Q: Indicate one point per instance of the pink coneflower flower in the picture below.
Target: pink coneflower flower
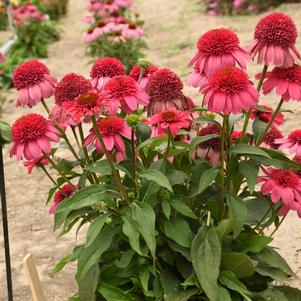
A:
(111, 128)
(210, 149)
(135, 74)
(132, 31)
(171, 120)
(197, 79)
(65, 192)
(104, 69)
(85, 106)
(32, 135)
(271, 137)
(123, 90)
(229, 91)
(30, 165)
(165, 90)
(286, 82)
(236, 136)
(219, 48)
(292, 142)
(266, 115)
(70, 87)
(33, 81)
(124, 3)
(282, 184)
(275, 37)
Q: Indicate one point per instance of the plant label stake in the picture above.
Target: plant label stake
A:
(5, 226)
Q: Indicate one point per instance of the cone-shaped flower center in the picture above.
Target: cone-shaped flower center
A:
(110, 125)
(285, 178)
(107, 67)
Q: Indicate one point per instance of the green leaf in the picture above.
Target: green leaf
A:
(152, 143)
(229, 280)
(95, 228)
(157, 177)
(143, 131)
(207, 177)
(130, 230)
(233, 119)
(178, 230)
(245, 149)
(238, 263)
(100, 166)
(125, 259)
(91, 255)
(205, 119)
(223, 294)
(166, 209)
(259, 127)
(69, 258)
(5, 131)
(238, 210)
(292, 294)
(206, 258)
(113, 293)
(254, 243)
(274, 273)
(177, 177)
(250, 172)
(271, 294)
(223, 228)
(272, 258)
(88, 285)
(199, 139)
(144, 217)
(258, 208)
(182, 208)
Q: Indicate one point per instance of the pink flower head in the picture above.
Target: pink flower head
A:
(104, 69)
(275, 37)
(30, 165)
(70, 87)
(238, 4)
(271, 138)
(266, 115)
(123, 90)
(135, 74)
(197, 79)
(85, 106)
(210, 149)
(165, 90)
(32, 135)
(111, 128)
(170, 120)
(292, 142)
(229, 91)
(286, 82)
(65, 192)
(282, 184)
(33, 81)
(219, 48)
(132, 31)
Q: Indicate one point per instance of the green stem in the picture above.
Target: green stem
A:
(276, 229)
(222, 169)
(168, 145)
(75, 136)
(110, 161)
(248, 113)
(134, 163)
(49, 176)
(59, 171)
(264, 217)
(261, 139)
(141, 75)
(45, 106)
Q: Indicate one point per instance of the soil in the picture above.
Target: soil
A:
(172, 28)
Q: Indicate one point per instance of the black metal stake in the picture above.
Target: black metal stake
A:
(5, 227)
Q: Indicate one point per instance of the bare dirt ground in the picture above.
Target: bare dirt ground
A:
(172, 28)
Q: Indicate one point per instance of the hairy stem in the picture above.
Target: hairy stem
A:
(134, 171)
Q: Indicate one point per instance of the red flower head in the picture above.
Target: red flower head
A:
(298, 160)
(210, 149)
(70, 87)
(286, 82)
(284, 185)
(266, 115)
(65, 192)
(165, 90)
(104, 69)
(85, 106)
(271, 137)
(123, 90)
(32, 135)
(111, 128)
(236, 135)
(292, 142)
(229, 91)
(219, 48)
(30, 165)
(135, 74)
(275, 38)
(170, 120)
(33, 81)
